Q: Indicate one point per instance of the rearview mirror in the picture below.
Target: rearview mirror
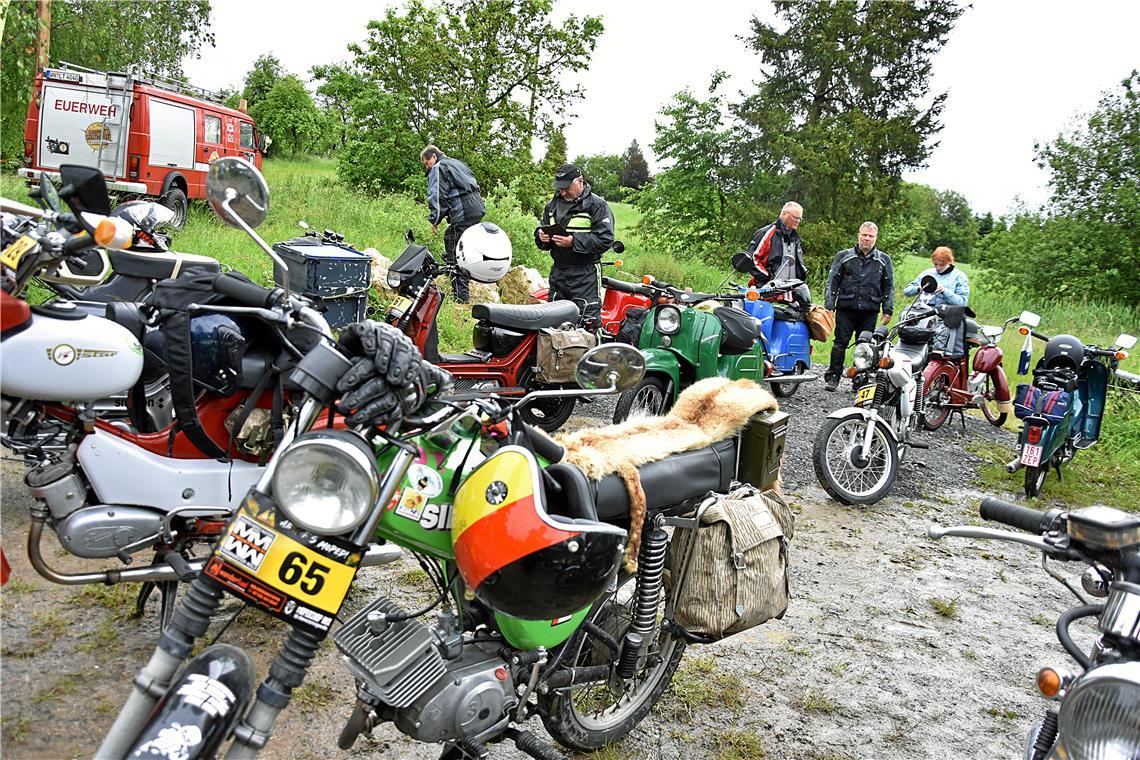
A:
(928, 284)
(84, 189)
(618, 246)
(1124, 340)
(1029, 318)
(619, 365)
(236, 190)
(48, 193)
(743, 263)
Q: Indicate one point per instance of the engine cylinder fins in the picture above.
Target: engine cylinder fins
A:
(398, 661)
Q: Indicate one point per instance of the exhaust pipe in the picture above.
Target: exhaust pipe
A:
(1013, 465)
(791, 379)
(376, 555)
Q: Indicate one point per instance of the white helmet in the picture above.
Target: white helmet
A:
(484, 252)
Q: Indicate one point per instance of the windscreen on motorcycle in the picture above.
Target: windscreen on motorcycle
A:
(411, 262)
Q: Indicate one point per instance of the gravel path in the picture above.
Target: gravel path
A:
(862, 664)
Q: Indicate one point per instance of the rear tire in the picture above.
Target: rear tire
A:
(647, 398)
(175, 200)
(990, 404)
(934, 413)
(782, 390)
(1035, 480)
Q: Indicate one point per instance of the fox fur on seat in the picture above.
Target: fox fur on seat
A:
(706, 412)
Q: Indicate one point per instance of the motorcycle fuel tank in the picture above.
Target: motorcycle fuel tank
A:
(65, 355)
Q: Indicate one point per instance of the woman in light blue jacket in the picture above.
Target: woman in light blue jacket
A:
(953, 287)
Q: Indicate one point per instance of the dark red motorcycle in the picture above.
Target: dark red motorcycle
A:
(949, 385)
(618, 298)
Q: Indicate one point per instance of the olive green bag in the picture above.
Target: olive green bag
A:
(738, 574)
(559, 352)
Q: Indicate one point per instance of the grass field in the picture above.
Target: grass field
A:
(308, 190)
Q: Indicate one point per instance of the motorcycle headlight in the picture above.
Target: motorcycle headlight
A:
(864, 356)
(394, 279)
(326, 482)
(1098, 717)
(668, 320)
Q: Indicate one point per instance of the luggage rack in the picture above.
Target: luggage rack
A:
(134, 75)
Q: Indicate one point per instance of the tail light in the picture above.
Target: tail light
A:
(134, 167)
(1033, 434)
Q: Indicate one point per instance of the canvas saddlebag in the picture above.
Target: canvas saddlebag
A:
(559, 352)
(1031, 401)
(821, 323)
(738, 574)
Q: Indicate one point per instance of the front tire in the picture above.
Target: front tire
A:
(990, 404)
(646, 399)
(175, 200)
(836, 444)
(934, 400)
(587, 717)
(549, 414)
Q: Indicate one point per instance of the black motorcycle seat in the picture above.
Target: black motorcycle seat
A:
(159, 266)
(918, 353)
(786, 312)
(527, 316)
(739, 330)
(667, 482)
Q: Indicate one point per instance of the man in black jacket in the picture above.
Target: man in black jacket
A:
(861, 282)
(453, 193)
(589, 227)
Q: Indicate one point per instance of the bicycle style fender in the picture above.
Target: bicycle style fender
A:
(658, 361)
(866, 414)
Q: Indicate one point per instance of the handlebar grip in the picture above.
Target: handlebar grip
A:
(1039, 336)
(1014, 515)
(246, 292)
(543, 444)
(77, 243)
(621, 285)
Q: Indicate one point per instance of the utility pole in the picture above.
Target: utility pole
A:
(43, 39)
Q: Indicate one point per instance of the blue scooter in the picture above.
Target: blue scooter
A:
(783, 329)
(1064, 406)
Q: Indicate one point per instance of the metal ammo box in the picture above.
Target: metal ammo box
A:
(338, 275)
(761, 449)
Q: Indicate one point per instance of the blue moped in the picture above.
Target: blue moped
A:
(1063, 407)
(784, 332)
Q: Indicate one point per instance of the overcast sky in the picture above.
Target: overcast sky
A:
(1017, 72)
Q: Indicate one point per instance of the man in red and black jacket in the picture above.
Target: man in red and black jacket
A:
(777, 249)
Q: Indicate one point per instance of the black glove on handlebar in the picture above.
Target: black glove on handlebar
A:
(388, 379)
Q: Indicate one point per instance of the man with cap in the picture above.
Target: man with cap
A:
(453, 194)
(589, 232)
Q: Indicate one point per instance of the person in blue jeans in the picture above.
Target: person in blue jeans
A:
(953, 286)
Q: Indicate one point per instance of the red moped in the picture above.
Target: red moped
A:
(619, 297)
(949, 385)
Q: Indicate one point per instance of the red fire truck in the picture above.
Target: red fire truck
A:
(149, 136)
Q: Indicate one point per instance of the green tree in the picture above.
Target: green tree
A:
(843, 104)
(603, 173)
(155, 36)
(555, 150)
(475, 77)
(261, 78)
(338, 86)
(287, 114)
(635, 170)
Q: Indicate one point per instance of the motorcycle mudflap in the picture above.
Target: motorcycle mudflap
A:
(277, 567)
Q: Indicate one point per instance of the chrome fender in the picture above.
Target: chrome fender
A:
(866, 414)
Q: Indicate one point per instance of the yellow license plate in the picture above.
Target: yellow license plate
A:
(865, 395)
(13, 253)
(291, 574)
(399, 306)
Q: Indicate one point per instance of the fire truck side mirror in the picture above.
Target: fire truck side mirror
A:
(84, 189)
(236, 190)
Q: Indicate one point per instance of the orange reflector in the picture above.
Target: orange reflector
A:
(850, 372)
(886, 362)
(105, 232)
(618, 262)
(752, 295)
(1049, 682)
(646, 279)
(1121, 355)
(1023, 330)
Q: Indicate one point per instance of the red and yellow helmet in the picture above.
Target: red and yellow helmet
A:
(520, 560)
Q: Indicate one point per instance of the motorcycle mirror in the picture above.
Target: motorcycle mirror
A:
(618, 247)
(928, 284)
(1029, 318)
(84, 189)
(617, 365)
(48, 193)
(409, 236)
(743, 263)
(1124, 340)
(303, 225)
(237, 191)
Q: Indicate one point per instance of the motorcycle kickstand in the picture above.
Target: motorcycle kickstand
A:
(1060, 475)
(168, 591)
(145, 590)
(464, 749)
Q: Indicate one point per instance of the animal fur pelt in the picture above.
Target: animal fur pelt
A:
(706, 412)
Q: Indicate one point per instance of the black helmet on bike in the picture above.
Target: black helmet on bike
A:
(1063, 352)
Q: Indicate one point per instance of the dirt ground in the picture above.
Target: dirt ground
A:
(894, 646)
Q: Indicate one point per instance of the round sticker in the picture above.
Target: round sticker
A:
(425, 480)
(63, 354)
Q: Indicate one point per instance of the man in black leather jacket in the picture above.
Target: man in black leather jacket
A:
(585, 217)
(861, 282)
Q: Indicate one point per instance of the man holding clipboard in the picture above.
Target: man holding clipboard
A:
(577, 228)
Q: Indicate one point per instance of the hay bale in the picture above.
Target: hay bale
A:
(519, 282)
(481, 292)
(379, 273)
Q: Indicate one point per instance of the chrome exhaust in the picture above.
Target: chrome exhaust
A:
(1013, 465)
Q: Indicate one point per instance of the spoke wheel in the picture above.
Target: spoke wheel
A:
(646, 399)
(934, 409)
(990, 404)
(588, 716)
(837, 446)
(549, 414)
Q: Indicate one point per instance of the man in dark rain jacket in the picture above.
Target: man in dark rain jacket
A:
(589, 227)
(453, 193)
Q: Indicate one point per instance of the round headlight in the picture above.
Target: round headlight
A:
(1098, 717)
(326, 482)
(393, 279)
(864, 356)
(668, 320)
